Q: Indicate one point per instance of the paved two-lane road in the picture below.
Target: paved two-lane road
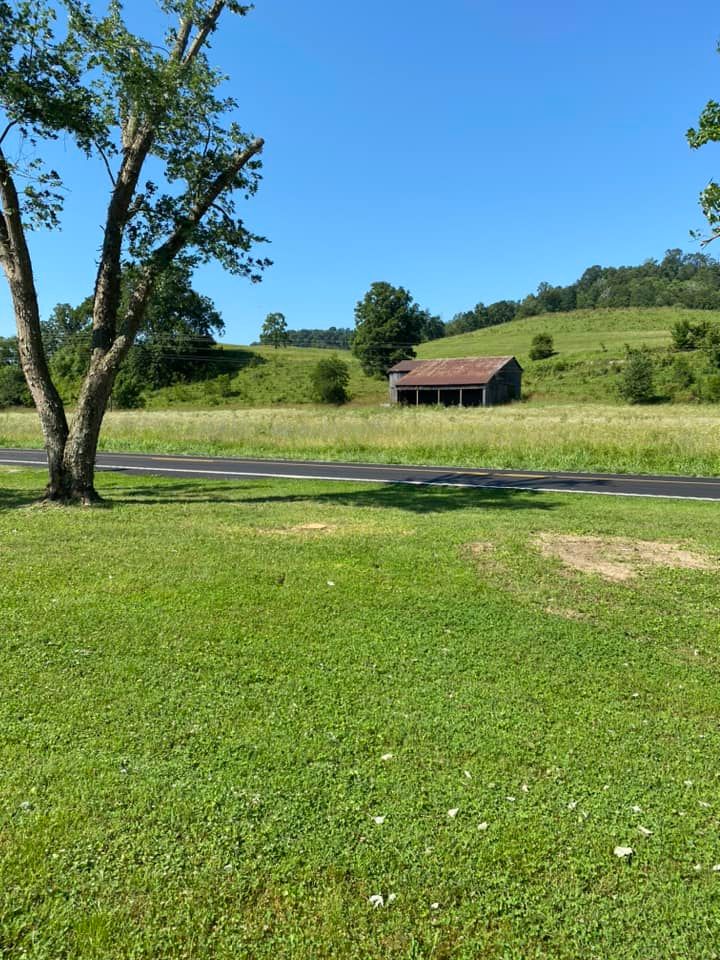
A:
(232, 468)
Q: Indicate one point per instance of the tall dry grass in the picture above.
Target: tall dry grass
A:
(671, 439)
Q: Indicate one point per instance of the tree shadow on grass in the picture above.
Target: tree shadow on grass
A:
(426, 499)
(12, 499)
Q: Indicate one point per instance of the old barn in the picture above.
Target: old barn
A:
(466, 382)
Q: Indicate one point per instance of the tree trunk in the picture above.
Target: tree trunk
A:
(17, 266)
(81, 446)
(46, 398)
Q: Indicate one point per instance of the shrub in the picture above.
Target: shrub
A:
(541, 347)
(682, 373)
(693, 336)
(223, 385)
(127, 392)
(636, 380)
(711, 345)
(683, 335)
(330, 378)
(710, 388)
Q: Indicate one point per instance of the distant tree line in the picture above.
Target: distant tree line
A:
(690, 280)
(334, 338)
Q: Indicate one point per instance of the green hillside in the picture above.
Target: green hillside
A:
(582, 334)
(589, 345)
(262, 376)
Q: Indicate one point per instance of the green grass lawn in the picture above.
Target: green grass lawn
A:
(211, 690)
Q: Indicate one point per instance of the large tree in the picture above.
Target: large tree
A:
(388, 324)
(274, 330)
(130, 104)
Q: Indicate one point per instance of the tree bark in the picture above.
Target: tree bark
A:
(81, 447)
(17, 266)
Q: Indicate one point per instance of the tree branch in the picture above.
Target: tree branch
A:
(136, 143)
(206, 28)
(7, 130)
(107, 163)
(180, 236)
(11, 208)
(17, 264)
(221, 210)
(5, 250)
(181, 42)
(163, 255)
(707, 240)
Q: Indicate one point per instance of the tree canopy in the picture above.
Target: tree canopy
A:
(690, 280)
(388, 324)
(708, 131)
(333, 338)
(274, 330)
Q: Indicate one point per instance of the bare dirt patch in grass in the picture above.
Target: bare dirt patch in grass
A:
(480, 549)
(618, 558)
(301, 529)
(567, 613)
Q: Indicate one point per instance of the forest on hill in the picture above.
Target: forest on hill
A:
(685, 280)
(689, 280)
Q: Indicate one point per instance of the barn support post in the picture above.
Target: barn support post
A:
(461, 403)
(417, 396)
(484, 397)
(438, 399)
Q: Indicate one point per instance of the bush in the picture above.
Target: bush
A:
(710, 388)
(689, 336)
(13, 389)
(542, 347)
(330, 378)
(636, 383)
(127, 392)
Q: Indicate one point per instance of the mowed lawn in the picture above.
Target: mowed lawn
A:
(232, 714)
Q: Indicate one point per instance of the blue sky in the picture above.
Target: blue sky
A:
(467, 150)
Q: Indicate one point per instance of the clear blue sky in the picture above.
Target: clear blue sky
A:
(467, 150)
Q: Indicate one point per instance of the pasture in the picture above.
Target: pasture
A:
(666, 438)
(312, 720)
(580, 334)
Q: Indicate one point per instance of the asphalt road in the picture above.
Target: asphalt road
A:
(225, 468)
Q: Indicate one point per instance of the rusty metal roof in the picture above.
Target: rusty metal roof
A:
(406, 365)
(466, 371)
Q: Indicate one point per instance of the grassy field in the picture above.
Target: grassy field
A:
(582, 334)
(260, 376)
(668, 438)
(234, 715)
